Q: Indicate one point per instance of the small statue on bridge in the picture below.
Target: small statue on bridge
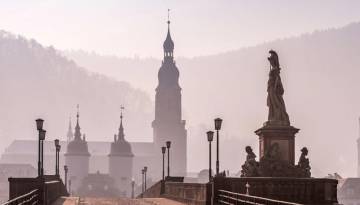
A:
(251, 166)
(304, 164)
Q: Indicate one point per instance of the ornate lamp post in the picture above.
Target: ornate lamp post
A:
(210, 137)
(57, 149)
(39, 126)
(163, 150)
(218, 122)
(70, 187)
(142, 183)
(58, 166)
(66, 169)
(132, 188)
(42, 134)
(168, 144)
(145, 170)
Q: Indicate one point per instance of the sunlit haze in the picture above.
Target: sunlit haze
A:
(135, 27)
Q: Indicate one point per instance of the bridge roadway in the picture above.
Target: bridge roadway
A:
(114, 201)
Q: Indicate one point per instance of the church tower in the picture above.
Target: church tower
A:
(77, 157)
(121, 161)
(168, 124)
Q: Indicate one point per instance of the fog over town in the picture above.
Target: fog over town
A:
(55, 55)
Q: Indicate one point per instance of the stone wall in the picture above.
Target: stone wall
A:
(189, 193)
(299, 190)
(50, 187)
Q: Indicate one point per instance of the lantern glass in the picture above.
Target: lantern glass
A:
(210, 136)
(56, 142)
(42, 134)
(168, 144)
(145, 169)
(218, 122)
(39, 124)
(65, 168)
(163, 150)
(58, 148)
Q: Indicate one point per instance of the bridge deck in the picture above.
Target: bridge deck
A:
(114, 201)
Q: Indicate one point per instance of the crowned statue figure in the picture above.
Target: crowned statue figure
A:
(275, 89)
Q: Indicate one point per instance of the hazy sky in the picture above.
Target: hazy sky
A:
(136, 27)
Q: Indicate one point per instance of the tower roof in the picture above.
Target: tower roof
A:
(120, 146)
(69, 132)
(168, 43)
(78, 146)
(77, 127)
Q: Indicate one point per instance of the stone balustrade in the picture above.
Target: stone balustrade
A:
(299, 190)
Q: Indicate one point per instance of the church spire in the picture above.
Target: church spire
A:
(70, 134)
(77, 127)
(168, 43)
(121, 135)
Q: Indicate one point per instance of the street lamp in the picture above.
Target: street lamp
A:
(210, 137)
(163, 150)
(168, 144)
(42, 134)
(145, 170)
(66, 169)
(218, 122)
(70, 187)
(58, 166)
(142, 182)
(132, 188)
(57, 144)
(39, 126)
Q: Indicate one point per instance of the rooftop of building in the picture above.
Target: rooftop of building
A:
(24, 147)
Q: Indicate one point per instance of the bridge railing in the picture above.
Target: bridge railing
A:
(296, 190)
(230, 198)
(31, 198)
(49, 188)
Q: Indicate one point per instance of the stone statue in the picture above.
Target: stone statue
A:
(275, 101)
(304, 164)
(251, 166)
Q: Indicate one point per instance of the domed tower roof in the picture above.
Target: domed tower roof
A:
(168, 43)
(120, 147)
(78, 146)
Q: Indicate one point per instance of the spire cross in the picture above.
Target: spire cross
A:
(77, 115)
(121, 115)
(168, 16)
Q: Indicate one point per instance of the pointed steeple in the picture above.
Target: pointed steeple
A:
(121, 135)
(168, 43)
(77, 127)
(70, 134)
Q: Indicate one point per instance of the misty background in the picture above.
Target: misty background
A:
(104, 55)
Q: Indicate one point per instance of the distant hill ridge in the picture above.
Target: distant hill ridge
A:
(38, 81)
(320, 72)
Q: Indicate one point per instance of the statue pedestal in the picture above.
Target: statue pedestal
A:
(283, 136)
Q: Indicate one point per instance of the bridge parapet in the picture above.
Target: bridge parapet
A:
(299, 190)
(49, 188)
(188, 193)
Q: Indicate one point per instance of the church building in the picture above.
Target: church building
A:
(120, 160)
